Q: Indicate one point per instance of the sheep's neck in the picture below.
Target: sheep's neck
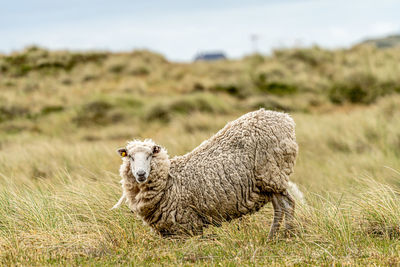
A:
(147, 200)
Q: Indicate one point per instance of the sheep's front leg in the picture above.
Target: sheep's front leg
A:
(278, 216)
(119, 203)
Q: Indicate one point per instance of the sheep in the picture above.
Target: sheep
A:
(235, 172)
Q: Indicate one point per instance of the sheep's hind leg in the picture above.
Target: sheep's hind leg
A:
(288, 204)
(278, 216)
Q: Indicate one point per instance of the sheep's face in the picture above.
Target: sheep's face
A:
(139, 158)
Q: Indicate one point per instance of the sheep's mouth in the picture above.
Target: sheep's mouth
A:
(141, 179)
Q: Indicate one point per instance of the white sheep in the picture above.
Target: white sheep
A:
(233, 173)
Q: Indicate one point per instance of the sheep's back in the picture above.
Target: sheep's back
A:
(224, 176)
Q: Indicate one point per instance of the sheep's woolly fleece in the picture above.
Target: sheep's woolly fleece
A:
(231, 174)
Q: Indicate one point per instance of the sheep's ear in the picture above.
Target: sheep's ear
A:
(122, 152)
(156, 149)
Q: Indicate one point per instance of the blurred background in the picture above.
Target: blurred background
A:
(95, 74)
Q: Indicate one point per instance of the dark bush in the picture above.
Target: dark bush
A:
(51, 109)
(11, 112)
(359, 88)
(89, 77)
(117, 68)
(230, 89)
(96, 113)
(198, 87)
(159, 112)
(263, 84)
(3, 67)
(139, 71)
(66, 81)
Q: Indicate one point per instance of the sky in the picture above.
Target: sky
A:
(180, 29)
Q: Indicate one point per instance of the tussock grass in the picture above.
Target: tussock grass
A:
(71, 223)
(61, 123)
(54, 206)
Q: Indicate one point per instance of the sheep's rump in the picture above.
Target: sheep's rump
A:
(236, 170)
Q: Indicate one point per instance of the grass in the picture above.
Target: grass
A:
(60, 126)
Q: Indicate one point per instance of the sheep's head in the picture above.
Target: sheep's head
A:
(144, 159)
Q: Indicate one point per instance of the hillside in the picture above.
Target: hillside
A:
(63, 114)
(114, 87)
(385, 42)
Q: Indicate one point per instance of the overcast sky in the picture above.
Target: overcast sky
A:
(179, 29)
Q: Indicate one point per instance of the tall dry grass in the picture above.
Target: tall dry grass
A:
(60, 123)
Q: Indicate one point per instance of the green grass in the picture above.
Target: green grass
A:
(60, 127)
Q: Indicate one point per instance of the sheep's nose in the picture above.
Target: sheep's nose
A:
(141, 173)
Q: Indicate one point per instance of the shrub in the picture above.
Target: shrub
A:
(159, 112)
(11, 112)
(117, 68)
(139, 71)
(198, 87)
(230, 89)
(96, 113)
(263, 84)
(51, 109)
(357, 88)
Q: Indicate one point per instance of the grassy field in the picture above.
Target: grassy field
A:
(63, 114)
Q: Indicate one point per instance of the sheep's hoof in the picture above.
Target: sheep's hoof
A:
(272, 238)
(272, 235)
(289, 233)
